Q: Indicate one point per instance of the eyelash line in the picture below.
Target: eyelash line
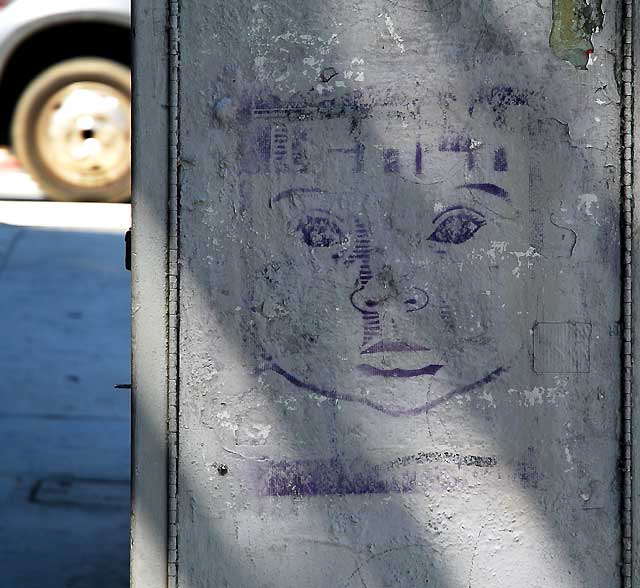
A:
(459, 207)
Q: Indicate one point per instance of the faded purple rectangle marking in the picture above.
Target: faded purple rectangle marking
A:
(263, 142)
(255, 151)
(418, 159)
(459, 144)
(391, 158)
(331, 477)
(500, 162)
(299, 107)
(299, 153)
(337, 477)
(281, 148)
(357, 151)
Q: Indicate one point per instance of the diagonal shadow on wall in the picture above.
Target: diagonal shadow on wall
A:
(534, 472)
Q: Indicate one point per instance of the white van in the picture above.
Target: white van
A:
(65, 95)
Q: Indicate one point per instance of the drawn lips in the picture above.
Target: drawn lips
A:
(396, 347)
(427, 370)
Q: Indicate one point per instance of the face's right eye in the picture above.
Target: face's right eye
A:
(319, 230)
(458, 227)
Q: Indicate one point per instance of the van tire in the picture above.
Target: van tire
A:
(50, 137)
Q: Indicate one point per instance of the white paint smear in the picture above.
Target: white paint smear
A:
(399, 41)
(586, 201)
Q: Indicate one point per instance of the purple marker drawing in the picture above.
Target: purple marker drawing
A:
(358, 156)
(418, 159)
(323, 477)
(500, 162)
(391, 158)
(459, 144)
(457, 224)
(320, 230)
(427, 370)
(330, 477)
(263, 142)
(362, 254)
(390, 411)
(299, 153)
(255, 151)
(489, 189)
(499, 99)
(281, 149)
(291, 193)
(384, 353)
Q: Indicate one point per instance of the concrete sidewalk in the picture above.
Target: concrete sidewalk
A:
(15, 183)
(64, 429)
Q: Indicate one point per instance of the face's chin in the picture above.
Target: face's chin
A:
(395, 391)
(392, 376)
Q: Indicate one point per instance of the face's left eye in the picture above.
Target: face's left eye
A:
(320, 231)
(457, 228)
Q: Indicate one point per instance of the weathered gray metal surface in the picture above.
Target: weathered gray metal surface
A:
(400, 285)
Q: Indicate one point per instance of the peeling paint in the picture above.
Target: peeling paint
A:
(267, 50)
(259, 432)
(573, 24)
(529, 254)
(541, 394)
(498, 251)
(352, 73)
(225, 422)
(585, 202)
(399, 41)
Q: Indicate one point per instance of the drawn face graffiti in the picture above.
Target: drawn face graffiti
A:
(392, 283)
(385, 299)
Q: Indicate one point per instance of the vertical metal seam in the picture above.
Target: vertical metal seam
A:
(627, 275)
(173, 278)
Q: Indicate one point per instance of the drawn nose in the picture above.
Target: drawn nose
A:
(382, 291)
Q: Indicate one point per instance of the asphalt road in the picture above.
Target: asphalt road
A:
(64, 429)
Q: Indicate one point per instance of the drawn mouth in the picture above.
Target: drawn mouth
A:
(393, 347)
(427, 370)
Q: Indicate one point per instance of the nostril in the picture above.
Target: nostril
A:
(370, 303)
(418, 301)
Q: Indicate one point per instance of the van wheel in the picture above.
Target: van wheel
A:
(71, 130)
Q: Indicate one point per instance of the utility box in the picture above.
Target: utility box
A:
(382, 306)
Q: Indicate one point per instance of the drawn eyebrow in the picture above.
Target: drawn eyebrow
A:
(292, 192)
(489, 189)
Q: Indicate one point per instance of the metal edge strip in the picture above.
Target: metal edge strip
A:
(173, 292)
(627, 284)
(149, 297)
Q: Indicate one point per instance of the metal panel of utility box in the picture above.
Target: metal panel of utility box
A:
(382, 305)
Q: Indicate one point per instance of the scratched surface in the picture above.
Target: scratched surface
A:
(399, 295)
